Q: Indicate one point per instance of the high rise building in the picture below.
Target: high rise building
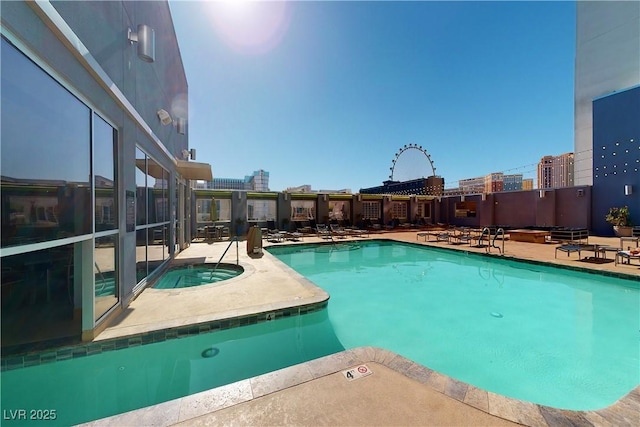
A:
(556, 171)
(512, 182)
(607, 60)
(258, 181)
(527, 184)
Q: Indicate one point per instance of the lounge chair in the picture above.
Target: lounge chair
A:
(354, 231)
(273, 234)
(568, 249)
(462, 235)
(323, 231)
(303, 227)
(338, 231)
(628, 255)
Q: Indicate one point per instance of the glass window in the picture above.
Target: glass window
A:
(105, 273)
(339, 210)
(38, 296)
(104, 166)
(152, 214)
(399, 210)
(45, 144)
(371, 210)
(261, 210)
(424, 210)
(141, 187)
(465, 209)
(303, 210)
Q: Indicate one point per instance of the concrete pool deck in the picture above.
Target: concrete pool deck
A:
(399, 392)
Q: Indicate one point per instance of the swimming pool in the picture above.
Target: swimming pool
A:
(561, 338)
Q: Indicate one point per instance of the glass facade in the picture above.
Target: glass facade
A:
(152, 215)
(46, 136)
(59, 194)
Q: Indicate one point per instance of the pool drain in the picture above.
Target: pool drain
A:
(210, 352)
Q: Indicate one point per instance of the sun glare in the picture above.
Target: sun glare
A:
(253, 27)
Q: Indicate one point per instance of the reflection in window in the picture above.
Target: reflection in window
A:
(261, 210)
(339, 210)
(45, 143)
(141, 254)
(303, 210)
(141, 187)
(152, 214)
(37, 296)
(104, 151)
(106, 278)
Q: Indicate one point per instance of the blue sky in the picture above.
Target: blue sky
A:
(326, 93)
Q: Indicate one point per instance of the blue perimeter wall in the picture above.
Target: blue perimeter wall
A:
(616, 156)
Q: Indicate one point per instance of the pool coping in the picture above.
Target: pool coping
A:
(621, 413)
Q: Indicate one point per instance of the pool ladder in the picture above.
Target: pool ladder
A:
(234, 239)
(492, 244)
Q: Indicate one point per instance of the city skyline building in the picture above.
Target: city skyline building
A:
(556, 171)
(257, 181)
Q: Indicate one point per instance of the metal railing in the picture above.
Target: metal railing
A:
(234, 239)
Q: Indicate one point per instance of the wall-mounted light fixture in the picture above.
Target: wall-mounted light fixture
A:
(462, 198)
(484, 197)
(542, 194)
(628, 190)
(164, 117)
(146, 40)
(359, 197)
(324, 197)
(181, 125)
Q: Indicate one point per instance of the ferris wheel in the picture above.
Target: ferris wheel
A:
(416, 164)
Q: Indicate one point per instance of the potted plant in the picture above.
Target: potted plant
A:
(620, 218)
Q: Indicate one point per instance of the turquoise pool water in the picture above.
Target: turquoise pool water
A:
(92, 387)
(195, 275)
(546, 335)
